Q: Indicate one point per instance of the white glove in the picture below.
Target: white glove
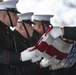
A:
(53, 63)
(56, 66)
(56, 32)
(60, 65)
(47, 62)
(27, 54)
(33, 60)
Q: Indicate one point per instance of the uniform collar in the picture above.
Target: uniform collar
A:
(5, 28)
(19, 35)
(37, 33)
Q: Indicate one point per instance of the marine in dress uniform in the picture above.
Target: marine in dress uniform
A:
(42, 22)
(22, 32)
(9, 57)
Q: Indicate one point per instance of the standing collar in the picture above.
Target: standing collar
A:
(19, 35)
(4, 27)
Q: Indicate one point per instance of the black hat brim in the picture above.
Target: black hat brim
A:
(13, 10)
(28, 21)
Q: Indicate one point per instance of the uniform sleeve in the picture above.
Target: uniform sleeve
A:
(14, 57)
(7, 57)
(70, 33)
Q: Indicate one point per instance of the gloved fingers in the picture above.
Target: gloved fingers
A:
(56, 32)
(26, 55)
(35, 59)
(45, 62)
(55, 67)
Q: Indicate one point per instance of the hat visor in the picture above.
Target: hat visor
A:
(13, 10)
(28, 21)
(32, 22)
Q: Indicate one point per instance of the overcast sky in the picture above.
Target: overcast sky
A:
(38, 5)
(26, 5)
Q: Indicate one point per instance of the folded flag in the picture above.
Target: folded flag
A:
(71, 58)
(41, 46)
(59, 49)
(67, 61)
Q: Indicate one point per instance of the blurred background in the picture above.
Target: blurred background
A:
(1, 0)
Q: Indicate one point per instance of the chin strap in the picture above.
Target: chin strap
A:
(43, 26)
(13, 38)
(25, 29)
(9, 18)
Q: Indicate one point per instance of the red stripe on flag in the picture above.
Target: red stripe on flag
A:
(48, 30)
(53, 51)
(42, 47)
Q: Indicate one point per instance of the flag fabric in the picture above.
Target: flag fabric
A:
(48, 38)
(41, 46)
(67, 61)
(56, 52)
(60, 48)
(71, 58)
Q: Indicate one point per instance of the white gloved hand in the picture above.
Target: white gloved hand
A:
(56, 32)
(27, 54)
(56, 66)
(35, 59)
(61, 64)
(47, 62)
